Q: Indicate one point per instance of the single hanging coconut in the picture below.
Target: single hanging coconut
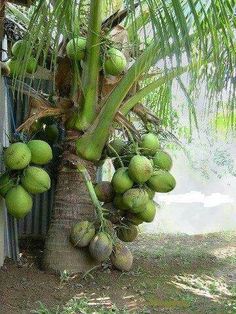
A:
(104, 191)
(82, 233)
(17, 156)
(140, 169)
(162, 181)
(32, 65)
(121, 257)
(14, 66)
(35, 180)
(115, 62)
(19, 48)
(121, 181)
(127, 233)
(149, 213)
(100, 246)
(149, 144)
(75, 48)
(41, 152)
(162, 160)
(135, 200)
(18, 202)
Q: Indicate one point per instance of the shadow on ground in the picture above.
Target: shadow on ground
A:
(171, 274)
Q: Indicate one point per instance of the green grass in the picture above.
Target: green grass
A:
(75, 306)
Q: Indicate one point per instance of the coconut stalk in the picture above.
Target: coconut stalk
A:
(98, 133)
(91, 67)
(88, 182)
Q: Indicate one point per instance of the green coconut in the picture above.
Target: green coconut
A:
(51, 133)
(135, 200)
(35, 180)
(17, 156)
(127, 232)
(15, 67)
(121, 181)
(32, 65)
(82, 233)
(150, 192)
(149, 213)
(140, 169)
(162, 160)
(100, 246)
(134, 219)
(149, 144)
(49, 120)
(75, 48)
(41, 152)
(115, 62)
(104, 191)
(121, 257)
(116, 146)
(18, 202)
(19, 48)
(162, 181)
(119, 202)
(6, 183)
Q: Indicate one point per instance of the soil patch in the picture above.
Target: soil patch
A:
(171, 274)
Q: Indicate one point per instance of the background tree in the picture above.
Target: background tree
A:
(160, 39)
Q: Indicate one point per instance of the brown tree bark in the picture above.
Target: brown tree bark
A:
(71, 204)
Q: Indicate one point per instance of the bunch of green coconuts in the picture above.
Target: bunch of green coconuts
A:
(114, 60)
(18, 50)
(24, 175)
(127, 199)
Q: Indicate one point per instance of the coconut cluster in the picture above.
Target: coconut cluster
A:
(24, 175)
(113, 61)
(18, 50)
(101, 244)
(128, 198)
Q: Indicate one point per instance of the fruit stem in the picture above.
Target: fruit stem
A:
(91, 67)
(98, 132)
(117, 155)
(130, 136)
(99, 211)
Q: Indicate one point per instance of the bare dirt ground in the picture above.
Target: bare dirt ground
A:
(171, 274)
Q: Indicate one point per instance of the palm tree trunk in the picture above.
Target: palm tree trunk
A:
(72, 203)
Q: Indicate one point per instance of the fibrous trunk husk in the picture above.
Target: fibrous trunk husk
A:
(72, 204)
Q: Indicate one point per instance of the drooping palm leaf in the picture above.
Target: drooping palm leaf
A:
(184, 30)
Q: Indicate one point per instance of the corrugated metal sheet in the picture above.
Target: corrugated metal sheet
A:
(10, 224)
(36, 223)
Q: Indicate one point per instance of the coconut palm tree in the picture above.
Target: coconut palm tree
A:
(160, 39)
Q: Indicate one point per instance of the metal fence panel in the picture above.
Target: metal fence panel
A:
(36, 223)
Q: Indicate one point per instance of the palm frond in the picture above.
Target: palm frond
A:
(184, 32)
